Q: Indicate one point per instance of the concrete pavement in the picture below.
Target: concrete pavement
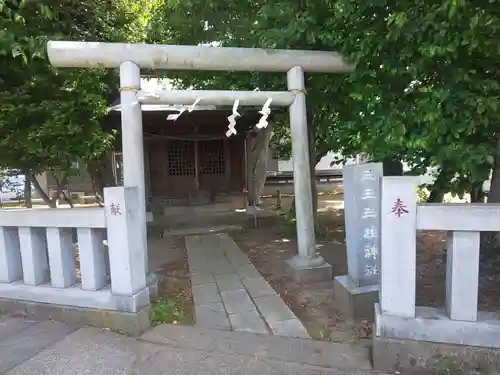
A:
(54, 348)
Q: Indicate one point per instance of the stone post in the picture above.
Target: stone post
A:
(132, 140)
(126, 248)
(398, 258)
(356, 292)
(133, 150)
(307, 265)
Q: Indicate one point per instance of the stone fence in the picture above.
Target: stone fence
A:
(406, 334)
(44, 266)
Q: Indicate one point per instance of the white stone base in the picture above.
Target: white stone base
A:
(149, 217)
(305, 270)
(433, 325)
(75, 296)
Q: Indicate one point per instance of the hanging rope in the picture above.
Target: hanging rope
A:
(184, 138)
(128, 88)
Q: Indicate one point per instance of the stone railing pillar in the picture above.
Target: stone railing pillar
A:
(462, 275)
(356, 292)
(123, 207)
(11, 268)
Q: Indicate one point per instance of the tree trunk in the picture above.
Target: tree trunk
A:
(101, 175)
(28, 202)
(261, 167)
(313, 160)
(392, 167)
(257, 165)
(49, 202)
(438, 189)
(477, 194)
(490, 241)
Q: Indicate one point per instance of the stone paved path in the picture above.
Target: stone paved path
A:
(53, 348)
(229, 292)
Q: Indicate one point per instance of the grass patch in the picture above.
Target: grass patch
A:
(167, 311)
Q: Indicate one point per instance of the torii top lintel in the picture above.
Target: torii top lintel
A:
(176, 57)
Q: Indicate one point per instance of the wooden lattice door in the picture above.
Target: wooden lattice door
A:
(212, 165)
(181, 168)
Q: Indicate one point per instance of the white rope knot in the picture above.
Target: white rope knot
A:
(176, 116)
(265, 112)
(128, 88)
(302, 91)
(232, 119)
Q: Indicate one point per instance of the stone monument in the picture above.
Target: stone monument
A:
(356, 292)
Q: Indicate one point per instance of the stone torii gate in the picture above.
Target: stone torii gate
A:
(131, 58)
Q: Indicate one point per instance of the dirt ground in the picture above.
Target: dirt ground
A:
(272, 243)
(174, 281)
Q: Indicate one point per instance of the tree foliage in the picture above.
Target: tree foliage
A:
(426, 86)
(50, 117)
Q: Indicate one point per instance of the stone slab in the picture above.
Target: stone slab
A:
(249, 321)
(206, 293)
(418, 357)
(237, 301)
(203, 278)
(89, 351)
(258, 287)
(273, 309)
(313, 274)
(317, 353)
(199, 272)
(362, 220)
(220, 266)
(290, 328)
(228, 281)
(197, 262)
(248, 271)
(27, 343)
(212, 315)
(133, 324)
(433, 325)
(355, 303)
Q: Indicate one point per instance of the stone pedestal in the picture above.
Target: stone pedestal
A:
(354, 302)
(356, 292)
(304, 270)
(129, 284)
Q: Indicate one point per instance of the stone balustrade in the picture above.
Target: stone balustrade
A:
(101, 267)
(397, 319)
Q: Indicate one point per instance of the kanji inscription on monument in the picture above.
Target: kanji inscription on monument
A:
(399, 208)
(362, 220)
(114, 209)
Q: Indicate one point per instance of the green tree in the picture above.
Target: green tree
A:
(426, 87)
(51, 118)
(425, 90)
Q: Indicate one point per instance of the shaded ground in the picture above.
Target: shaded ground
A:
(268, 248)
(431, 274)
(272, 243)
